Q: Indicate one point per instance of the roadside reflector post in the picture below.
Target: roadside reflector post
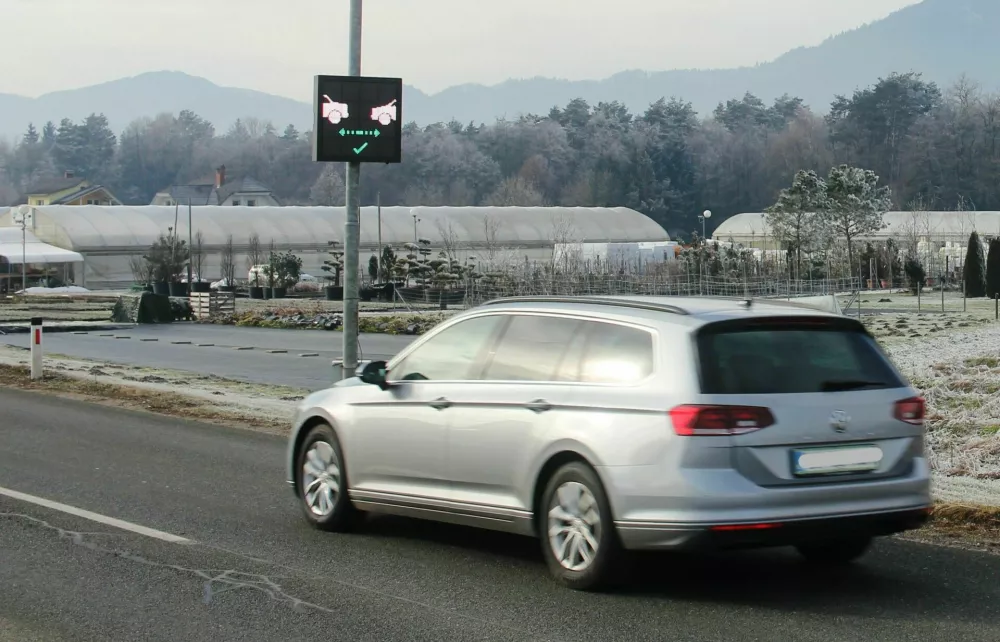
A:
(36, 348)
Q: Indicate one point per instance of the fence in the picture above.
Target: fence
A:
(475, 293)
(206, 305)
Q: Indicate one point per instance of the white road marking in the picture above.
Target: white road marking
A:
(95, 517)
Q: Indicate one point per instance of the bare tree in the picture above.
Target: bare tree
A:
(515, 191)
(329, 189)
(142, 270)
(198, 255)
(494, 258)
(228, 262)
(255, 255)
(450, 239)
(491, 245)
(567, 242)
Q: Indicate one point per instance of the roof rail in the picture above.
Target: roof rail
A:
(592, 300)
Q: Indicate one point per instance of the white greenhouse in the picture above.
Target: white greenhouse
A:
(938, 228)
(105, 238)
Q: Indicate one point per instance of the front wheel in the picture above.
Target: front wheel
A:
(577, 530)
(322, 482)
(835, 553)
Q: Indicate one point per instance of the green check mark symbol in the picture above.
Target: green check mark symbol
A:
(358, 150)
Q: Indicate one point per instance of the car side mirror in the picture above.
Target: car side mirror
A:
(374, 373)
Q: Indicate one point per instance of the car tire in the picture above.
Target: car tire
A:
(321, 449)
(835, 553)
(577, 482)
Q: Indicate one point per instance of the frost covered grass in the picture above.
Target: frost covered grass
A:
(891, 329)
(927, 302)
(958, 372)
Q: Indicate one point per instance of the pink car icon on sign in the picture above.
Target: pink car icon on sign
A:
(334, 112)
(385, 114)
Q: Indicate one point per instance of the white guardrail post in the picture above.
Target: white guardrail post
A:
(36, 348)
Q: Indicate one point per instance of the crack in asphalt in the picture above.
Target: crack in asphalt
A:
(217, 581)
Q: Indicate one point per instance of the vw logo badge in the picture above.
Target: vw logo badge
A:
(839, 420)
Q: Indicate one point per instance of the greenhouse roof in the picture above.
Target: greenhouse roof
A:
(97, 228)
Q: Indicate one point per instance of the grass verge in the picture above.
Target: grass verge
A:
(961, 525)
(297, 319)
(119, 396)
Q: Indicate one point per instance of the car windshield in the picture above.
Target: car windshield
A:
(790, 358)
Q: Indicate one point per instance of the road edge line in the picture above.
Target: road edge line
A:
(95, 517)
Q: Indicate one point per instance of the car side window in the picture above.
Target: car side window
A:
(450, 355)
(533, 348)
(616, 354)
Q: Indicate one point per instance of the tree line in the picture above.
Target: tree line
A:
(925, 145)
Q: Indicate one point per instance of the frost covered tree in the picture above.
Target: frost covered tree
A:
(853, 205)
(329, 189)
(793, 218)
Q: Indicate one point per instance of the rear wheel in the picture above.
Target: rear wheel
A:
(322, 482)
(577, 530)
(835, 553)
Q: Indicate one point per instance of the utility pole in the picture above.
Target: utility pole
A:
(190, 246)
(378, 259)
(24, 254)
(352, 226)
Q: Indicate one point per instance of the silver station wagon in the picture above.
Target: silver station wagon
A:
(602, 425)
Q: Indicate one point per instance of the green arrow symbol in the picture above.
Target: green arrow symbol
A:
(343, 131)
(376, 133)
(358, 150)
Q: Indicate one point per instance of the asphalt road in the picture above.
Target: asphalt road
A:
(221, 357)
(255, 571)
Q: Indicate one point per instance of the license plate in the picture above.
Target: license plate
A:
(832, 461)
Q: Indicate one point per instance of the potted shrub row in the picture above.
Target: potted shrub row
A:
(282, 271)
(165, 263)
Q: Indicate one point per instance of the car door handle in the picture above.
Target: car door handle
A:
(440, 404)
(538, 405)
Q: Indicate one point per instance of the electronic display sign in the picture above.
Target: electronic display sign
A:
(358, 119)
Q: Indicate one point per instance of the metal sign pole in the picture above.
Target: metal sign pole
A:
(190, 247)
(378, 261)
(352, 226)
(24, 255)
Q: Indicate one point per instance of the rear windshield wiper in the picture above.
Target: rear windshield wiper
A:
(850, 384)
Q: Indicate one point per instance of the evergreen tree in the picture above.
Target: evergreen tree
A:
(99, 144)
(31, 136)
(68, 151)
(975, 268)
(49, 134)
(993, 269)
(291, 134)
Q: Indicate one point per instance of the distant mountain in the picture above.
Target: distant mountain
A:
(124, 100)
(940, 38)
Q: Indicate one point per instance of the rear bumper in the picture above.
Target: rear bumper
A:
(708, 537)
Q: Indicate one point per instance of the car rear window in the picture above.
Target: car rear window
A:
(787, 357)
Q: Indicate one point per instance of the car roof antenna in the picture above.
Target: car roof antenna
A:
(747, 303)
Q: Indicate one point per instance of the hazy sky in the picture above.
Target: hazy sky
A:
(277, 45)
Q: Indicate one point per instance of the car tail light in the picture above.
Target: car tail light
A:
(910, 411)
(697, 421)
